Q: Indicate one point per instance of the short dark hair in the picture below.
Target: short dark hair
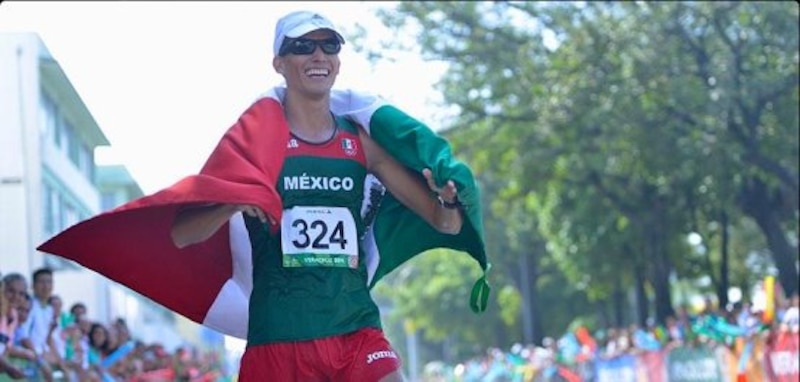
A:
(76, 305)
(41, 271)
(11, 277)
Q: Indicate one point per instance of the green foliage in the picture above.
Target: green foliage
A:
(603, 134)
(509, 299)
(433, 291)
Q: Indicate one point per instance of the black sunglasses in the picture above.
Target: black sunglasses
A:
(305, 46)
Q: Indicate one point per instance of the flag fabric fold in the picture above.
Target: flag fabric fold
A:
(210, 282)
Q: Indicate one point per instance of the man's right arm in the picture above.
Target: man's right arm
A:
(195, 224)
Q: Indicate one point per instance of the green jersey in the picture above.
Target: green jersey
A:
(309, 279)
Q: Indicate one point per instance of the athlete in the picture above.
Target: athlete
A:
(311, 316)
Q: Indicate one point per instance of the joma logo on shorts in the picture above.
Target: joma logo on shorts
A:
(372, 357)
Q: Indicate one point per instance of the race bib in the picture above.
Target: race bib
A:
(319, 237)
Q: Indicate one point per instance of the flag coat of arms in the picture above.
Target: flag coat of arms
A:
(210, 282)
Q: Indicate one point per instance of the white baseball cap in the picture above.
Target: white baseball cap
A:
(298, 23)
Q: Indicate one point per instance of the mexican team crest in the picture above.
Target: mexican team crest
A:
(349, 146)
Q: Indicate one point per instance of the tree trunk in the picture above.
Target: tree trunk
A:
(530, 319)
(502, 335)
(536, 313)
(661, 267)
(755, 202)
(619, 306)
(724, 280)
(642, 303)
(526, 281)
(603, 319)
(784, 255)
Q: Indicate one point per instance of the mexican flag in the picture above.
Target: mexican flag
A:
(210, 282)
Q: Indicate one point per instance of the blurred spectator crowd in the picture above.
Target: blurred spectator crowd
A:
(737, 344)
(43, 340)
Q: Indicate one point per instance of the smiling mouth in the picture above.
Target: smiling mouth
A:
(317, 73)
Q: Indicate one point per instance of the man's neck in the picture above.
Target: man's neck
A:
(309, 119)
(42, 300)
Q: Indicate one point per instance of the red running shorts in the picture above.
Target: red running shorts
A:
(364, 355)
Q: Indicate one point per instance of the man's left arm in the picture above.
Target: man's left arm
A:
(441, 212)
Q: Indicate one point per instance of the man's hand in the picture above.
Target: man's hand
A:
(252, 211)
(447, 218)
(448, 193)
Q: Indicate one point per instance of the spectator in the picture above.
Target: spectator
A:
(98, 343)
(7, 326)
(790, 320)
(62, 317)
(39, 325)
(123, 332)
(676, 333)
(57, 339)
(21, 354)
(80, 335)
(19, 362)
(77, 309)
(644, 339)
(78, 358)
(99, 348)
(121, 350)
(15, 291)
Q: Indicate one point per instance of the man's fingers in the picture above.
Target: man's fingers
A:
(261, 215)
(449, 190)
(253, 211)
(428, 174)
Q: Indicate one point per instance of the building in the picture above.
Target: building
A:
(49, 181)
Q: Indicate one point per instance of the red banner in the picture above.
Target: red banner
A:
(781, 362)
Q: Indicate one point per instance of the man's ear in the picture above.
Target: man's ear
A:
(277, 63)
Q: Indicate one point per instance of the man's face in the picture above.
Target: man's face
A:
(83, 323)
(312, 74)
(78, 311)
(23, 309)
(56, 303)
(43, 285)
(15, 291)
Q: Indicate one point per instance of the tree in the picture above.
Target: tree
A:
(605, 133)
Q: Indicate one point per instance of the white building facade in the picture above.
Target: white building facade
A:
(50, 181)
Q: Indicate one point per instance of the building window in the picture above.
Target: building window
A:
(48, 114)
(54, 210)
(57, 213)
(47, 211)
(66, 137)
(56, 128)
(85, 161)
(71, 216)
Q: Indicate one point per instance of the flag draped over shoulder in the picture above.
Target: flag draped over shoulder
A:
(210, 282)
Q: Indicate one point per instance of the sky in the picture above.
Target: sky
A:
(164, 80)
